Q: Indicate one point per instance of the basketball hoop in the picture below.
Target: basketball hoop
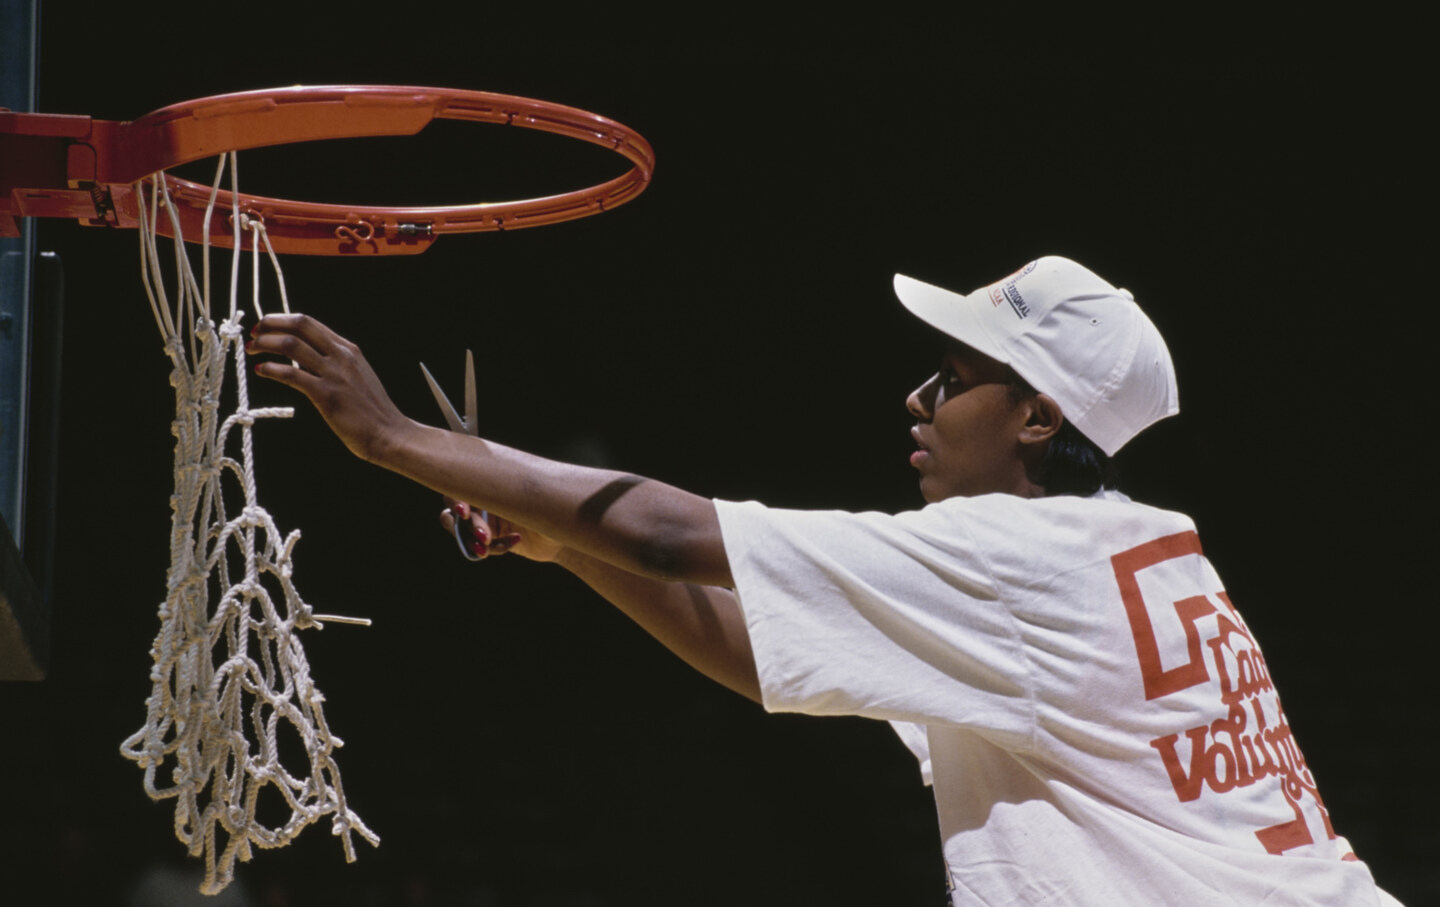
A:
(229, 670)
(87, 169)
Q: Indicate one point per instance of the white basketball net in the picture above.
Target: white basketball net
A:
(229, 670)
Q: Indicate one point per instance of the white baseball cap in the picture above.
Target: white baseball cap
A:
(1071, 335)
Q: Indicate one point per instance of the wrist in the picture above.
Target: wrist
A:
(394, 447)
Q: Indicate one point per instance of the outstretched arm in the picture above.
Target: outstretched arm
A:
(639, 525)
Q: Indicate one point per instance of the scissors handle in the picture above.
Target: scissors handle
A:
(465, 536)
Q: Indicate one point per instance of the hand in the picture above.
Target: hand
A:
(333, 373)
(497, 535)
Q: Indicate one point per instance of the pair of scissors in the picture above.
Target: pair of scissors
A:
(470, 545)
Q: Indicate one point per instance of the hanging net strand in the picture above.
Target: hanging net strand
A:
(229, 674)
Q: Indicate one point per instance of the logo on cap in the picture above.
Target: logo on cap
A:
(1005, 290)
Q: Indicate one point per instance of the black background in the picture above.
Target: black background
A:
(515, 741)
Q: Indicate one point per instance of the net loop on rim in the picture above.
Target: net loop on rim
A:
(228, 670)
(362, 231)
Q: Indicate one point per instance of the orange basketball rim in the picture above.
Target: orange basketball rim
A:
(56, 165)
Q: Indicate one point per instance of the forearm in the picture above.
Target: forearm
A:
(703, 625)
(640, 526)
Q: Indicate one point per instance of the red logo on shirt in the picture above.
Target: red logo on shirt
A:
(1253, 741)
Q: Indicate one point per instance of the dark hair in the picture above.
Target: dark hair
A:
(1073, 464)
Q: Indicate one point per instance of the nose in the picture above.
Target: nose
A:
(921, 402)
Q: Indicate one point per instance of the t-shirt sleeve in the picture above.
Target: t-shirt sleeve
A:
(889, 617)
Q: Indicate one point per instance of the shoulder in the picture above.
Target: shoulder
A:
(1063, 527)
(1059, 513)
(1058, 532)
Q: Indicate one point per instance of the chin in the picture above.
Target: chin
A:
(930, 493)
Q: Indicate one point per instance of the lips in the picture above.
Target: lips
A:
(921, 451)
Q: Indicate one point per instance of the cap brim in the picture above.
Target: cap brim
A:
(949, 313)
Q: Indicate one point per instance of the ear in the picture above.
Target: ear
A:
(1042, 421)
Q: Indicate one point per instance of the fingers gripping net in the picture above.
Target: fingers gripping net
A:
(229, 675)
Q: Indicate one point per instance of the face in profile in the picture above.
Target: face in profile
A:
(968, 425)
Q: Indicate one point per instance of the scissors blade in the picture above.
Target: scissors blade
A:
(452, 418)
(472, 421)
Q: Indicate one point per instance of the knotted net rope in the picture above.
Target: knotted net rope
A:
(229, 673)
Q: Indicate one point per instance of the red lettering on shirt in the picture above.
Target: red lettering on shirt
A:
(1253, 741)
(1128, 564)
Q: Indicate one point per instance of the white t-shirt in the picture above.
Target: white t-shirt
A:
(1097, 722)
